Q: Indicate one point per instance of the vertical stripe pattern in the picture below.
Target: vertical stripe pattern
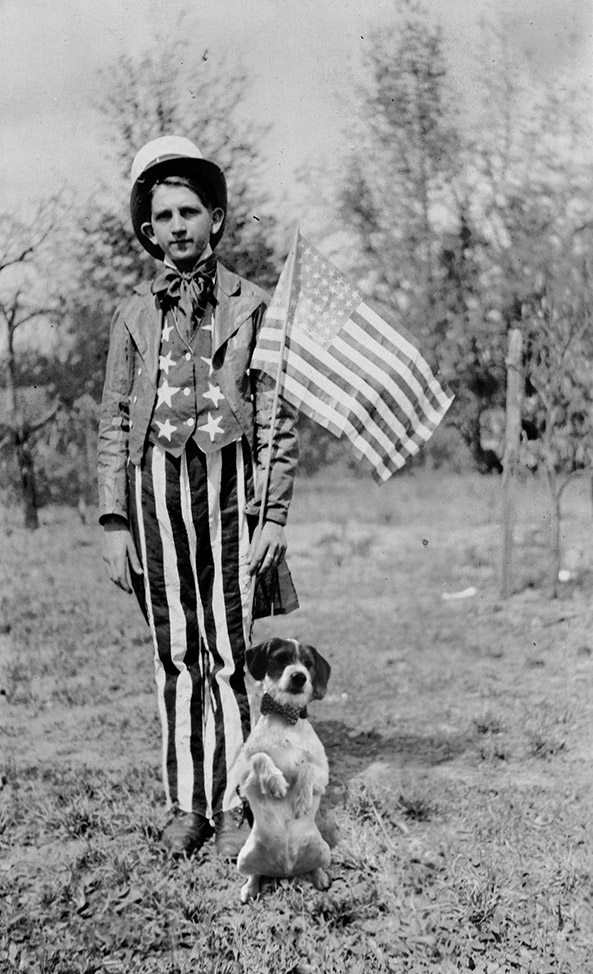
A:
(188, 520)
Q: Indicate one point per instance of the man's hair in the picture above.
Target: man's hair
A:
(200, 191)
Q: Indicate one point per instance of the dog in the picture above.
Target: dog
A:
(282, 769)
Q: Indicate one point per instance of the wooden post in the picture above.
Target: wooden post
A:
(511, 455)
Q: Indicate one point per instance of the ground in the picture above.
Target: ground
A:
(458, 727)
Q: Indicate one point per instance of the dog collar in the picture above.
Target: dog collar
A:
(271, 706)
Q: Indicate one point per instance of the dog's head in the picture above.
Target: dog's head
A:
(292, 671)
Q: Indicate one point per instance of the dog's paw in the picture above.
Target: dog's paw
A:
(271, 780)
(278, 786)
(250, 889)
(320, 879)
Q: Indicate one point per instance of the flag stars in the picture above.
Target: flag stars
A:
(208, 362)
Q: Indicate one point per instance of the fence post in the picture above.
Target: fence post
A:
(512, 439)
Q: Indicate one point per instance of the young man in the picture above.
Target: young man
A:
(183, 442)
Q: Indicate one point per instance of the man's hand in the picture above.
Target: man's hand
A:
(118, 547)
(267, 547)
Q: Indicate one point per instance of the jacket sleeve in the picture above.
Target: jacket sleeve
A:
(285, 448)
(114, 424)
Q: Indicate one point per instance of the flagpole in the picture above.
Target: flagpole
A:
(274, 416)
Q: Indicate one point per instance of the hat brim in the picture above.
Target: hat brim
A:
(203, 172)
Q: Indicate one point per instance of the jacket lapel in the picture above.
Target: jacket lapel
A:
(144, 325)
(236, 300)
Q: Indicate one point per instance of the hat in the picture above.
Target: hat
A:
(172, 155)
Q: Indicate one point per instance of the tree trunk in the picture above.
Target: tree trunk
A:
(555, 553)
(511, 455)
(28, 483)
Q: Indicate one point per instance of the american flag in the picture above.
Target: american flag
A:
(352, 371)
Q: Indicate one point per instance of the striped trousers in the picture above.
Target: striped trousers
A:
(188, 522)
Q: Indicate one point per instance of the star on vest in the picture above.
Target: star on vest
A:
(189, 402)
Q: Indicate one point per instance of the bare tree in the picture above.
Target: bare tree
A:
(559, 321)
(22, 245)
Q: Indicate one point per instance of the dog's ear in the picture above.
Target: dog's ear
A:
(321, 675)
(256, 658)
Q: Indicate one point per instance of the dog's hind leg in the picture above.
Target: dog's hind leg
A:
(250, 889)
(320, 879)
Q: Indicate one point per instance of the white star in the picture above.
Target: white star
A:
(166, 362)
(167, 329)
(166, 429)
(208, 362)
(165, 393)
(214, 394)
(207, 327)
(212, 427)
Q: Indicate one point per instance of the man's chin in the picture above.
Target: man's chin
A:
(183, 258)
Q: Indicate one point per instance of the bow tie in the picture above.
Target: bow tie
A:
(189, 292)
(291, 714)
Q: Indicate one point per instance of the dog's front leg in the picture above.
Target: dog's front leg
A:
(266, 776)
(311, 781)
(250, 889)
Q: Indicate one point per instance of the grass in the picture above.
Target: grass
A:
(458, 731)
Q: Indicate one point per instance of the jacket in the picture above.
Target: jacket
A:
(130, 393)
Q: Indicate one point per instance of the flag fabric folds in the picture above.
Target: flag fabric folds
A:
(348, 368)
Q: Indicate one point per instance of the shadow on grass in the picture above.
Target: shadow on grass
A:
(349, 751)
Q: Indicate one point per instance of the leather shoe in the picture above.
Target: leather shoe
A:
(185, 834)
(232, 831)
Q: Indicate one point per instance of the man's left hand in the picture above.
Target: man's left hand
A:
(267, 547)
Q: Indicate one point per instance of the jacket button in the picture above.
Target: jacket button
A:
(135, 399)
(186, 391)
(187, 356)
(139, 371)
(189, 422)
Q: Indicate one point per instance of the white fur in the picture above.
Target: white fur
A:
(282, 771)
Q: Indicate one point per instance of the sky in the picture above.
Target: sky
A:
(299, 54)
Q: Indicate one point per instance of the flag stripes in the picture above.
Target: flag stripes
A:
(346, 367)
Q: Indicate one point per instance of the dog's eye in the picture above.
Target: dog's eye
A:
(308, 664)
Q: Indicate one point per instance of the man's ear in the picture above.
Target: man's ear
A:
(217, 219)
(148, 231)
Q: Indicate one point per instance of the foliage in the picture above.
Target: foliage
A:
(390, 194)
(457, 207)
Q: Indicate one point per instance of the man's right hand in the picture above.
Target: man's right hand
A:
(119, 554)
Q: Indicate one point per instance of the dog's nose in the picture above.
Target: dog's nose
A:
(298, 680)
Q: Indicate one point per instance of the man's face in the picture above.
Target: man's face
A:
(181, 225)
